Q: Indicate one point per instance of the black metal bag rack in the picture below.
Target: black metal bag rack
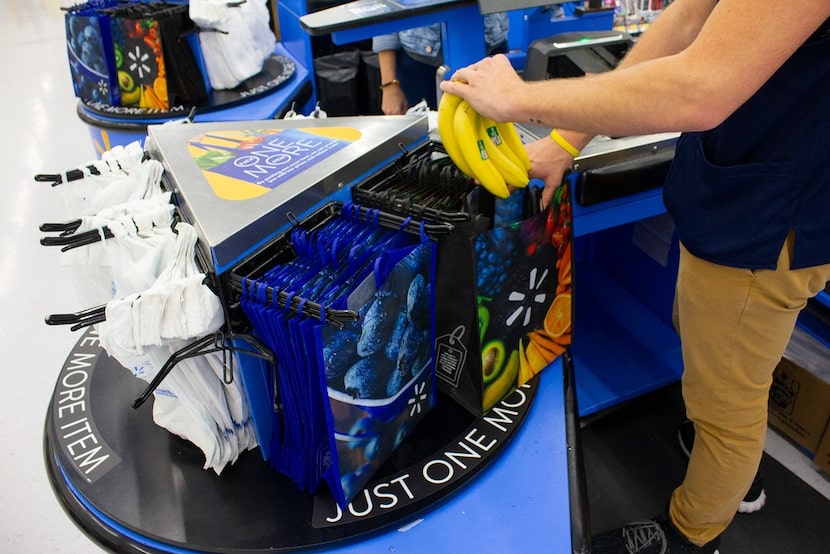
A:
(279, 250)
(423, 183)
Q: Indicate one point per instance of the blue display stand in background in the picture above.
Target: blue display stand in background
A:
(284, 83)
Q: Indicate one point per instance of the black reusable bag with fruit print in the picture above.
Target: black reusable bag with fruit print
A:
(185, 82)
(503, 297)
(156, 67)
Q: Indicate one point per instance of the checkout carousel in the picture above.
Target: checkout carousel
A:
(319, 338)
(317, 334)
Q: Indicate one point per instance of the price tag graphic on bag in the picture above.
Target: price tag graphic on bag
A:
(450, 355)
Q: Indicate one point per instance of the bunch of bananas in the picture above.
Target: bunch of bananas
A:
(489, 152)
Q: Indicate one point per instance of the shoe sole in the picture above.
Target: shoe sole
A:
(749, 507)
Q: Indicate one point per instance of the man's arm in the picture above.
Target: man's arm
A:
(673, 31)
(738, 47)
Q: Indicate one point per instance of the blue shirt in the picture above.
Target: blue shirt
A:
(424, 43)
(736, 191)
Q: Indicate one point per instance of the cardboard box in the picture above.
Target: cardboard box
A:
(799, 400)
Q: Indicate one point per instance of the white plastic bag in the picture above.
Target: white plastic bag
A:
(235, 39)
(141, 247)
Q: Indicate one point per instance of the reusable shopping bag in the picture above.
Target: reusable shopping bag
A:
(505, 296)
(347, 310)
(156, 67)
(91, 55)
(503, 275)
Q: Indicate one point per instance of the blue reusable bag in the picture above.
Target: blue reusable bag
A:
(379, 371)
(91, 54)
(350, 391)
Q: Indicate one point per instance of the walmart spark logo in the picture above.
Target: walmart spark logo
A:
(527, 298)
(139, 59)
(419, 398)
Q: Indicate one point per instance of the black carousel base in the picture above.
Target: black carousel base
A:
(473, 483)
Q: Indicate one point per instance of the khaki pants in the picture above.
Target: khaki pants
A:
(734, 325)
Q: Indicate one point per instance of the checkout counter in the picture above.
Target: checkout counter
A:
(506, 480)
(526, 494)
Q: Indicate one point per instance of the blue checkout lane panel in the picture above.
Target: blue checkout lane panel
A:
(364, 19)
(625, 257)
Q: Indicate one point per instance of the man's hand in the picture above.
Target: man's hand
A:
(549, 163)
(486, 85)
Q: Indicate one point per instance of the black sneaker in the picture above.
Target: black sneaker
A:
(657, 536)
(755, 497)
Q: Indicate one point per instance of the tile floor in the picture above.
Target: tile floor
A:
(42, 133)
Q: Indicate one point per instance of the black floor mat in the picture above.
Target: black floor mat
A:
(633, 462)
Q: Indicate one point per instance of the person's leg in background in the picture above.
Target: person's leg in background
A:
(734, 326)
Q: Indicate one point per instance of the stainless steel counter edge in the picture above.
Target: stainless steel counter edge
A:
(230, 230)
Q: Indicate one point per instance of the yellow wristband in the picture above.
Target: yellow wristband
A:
(566, 146)
(390, 83)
